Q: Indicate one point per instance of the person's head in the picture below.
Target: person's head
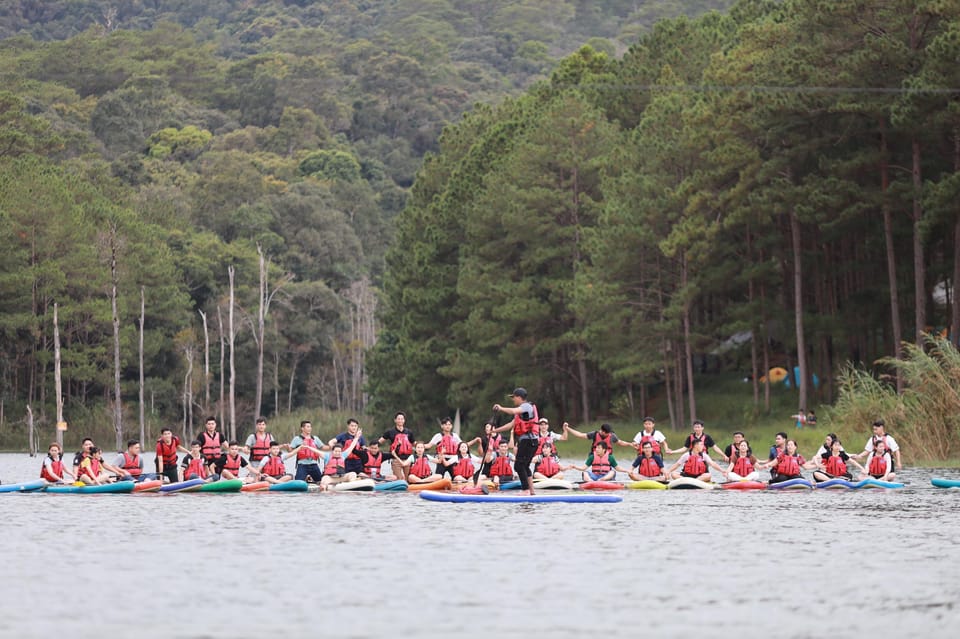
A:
(419, 448)
(544, 424)
(399, 420)
(878, 427)
(519, 395)
(261, 425)
(55, 451)
(828, 440)
(698, 428)
(133, 446)
(737, 438)
(835, 445)
(274, 448)
(780, 439)
(547, 449)
(211, 424)
(647, 449)
(463, 450)
(791, 447)
(503, 448)
(306, 427)
(86, 444)
(374, 447)
(446, 425)
(600, 448)
(879, 446)
(697, 446)
(743, 448)
(233, 448)
(352, 426)
(606, 429)
(166, 435)
(195, 448)
(488, 428)
(337, 450)
(95, 452)
(649, 423)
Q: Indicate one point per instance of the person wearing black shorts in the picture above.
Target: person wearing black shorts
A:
(525, 428)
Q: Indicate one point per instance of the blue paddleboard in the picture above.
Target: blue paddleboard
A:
(876, 483)
(182, 486)
(292, 486)
(945, 483)
(23, 487)
(798, 482)
(118, 487)
(570, 498)
(836, 482)
(396, 486)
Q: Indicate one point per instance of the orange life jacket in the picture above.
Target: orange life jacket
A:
(401, 445)
(57, 468)
(261, 446)
(233, 464)
(131, 464)
(501, 467)
(304, 452)
(274, 467)
(649, 467)
(168, 452)
(601, 464)
(335, 466)
(524, 426)
(448, 445)
(373, 464)
(211, 447)
(197, 466)
(695, 466)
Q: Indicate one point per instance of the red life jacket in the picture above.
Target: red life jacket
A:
(788, 465)
(649, 467)
(544, 439)
(335, 466)
(548, 466)
(653, 443)
(131, 464)
(695, 466)
(232, 464)
(606, 439)
(211, 447)
(92, 470)
(601, 464)
(835, 465)
(56, 467)
(500, 467)
(493, 443)
(743, 466)
(878, 465)
(168, 453)
(308, 453)
(448, 445)
(523, 426)
(464, 468)
(261, 447)
(421, 467)
(401, 445)
(353, 453)
(373, 464)
(196, 467)
(274, 467)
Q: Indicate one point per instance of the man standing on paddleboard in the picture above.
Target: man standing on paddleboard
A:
(525, 429)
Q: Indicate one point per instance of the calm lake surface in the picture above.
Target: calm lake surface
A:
(693, 564)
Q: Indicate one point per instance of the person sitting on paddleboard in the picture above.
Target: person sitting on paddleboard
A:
(525, 428)
(601, 465)
(891, 446)
(743, 463)
(93, 470)
(400, 441)
(827, 445)
(708, 442)
(308, 450)
(501, 469)
(545, 435)
(194, 466)
(130, 463)
(733, 447)
(546, 465)
(489, 444)
(834, 464)
(779, 445)
(419, 464)
(53, 468)
(787, 464)
(373, 463)
(335, 463)
(463, 469)
(657, 440)
(447, 443)
(603, 434)
(647, 465)
(879, 464)
(694, 464)
(228, 465)
(81, 455)
(272, 467)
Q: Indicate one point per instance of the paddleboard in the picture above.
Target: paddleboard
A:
(647, 484)
(796, 483)
(256, 487)
(395, 486)
(118, 487)
(940, 482)
(570, 498)
(743, 485)
(150, 486)
(440, 484)
(188, 486)
(292, 486)
(24, 487)
(691, 483)
(355, 485)
(602, 485)
(835, 483)
(222, 486)
(473, 490)
(552, 484)
(876, 483)
(510, 485)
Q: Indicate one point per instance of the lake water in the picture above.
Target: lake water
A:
(664, 563)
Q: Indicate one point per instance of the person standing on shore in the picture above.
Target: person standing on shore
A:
(525, 429)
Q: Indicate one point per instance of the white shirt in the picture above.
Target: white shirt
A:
(436, 439)
(890, 441)
(657, 436)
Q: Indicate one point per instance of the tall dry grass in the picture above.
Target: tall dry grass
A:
(925, 419)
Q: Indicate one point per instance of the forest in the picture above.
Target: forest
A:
(777, 185)
(198, 198)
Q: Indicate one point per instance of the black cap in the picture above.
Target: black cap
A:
(520, 392)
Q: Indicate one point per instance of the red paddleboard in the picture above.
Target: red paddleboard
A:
(744, 485)
(602, 485)
(148, 486)
(255, 487)
(471, 490)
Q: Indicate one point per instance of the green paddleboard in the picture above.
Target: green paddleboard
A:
(222, 486)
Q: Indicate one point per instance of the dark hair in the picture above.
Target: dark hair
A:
(782, 434)
(697, 421)
(273, 443)
(261, 420)
(305, 422)
(878, 422)
(446, 420)
(600, 444)
(94, 450)
(195, 443)
(400, 413)
(337, 445)
(210, 419)
(607, 428)
(352, 421)
(646, 443)
(85, 440)
(739, 432)
(131, 442)
(233, 442)
(165, 430)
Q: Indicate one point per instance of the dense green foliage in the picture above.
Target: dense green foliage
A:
(788, 170)
(179, 136)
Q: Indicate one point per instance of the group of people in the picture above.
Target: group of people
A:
(350, 456)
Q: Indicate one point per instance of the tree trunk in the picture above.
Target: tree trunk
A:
(954, 308)
(668, 385)
(293, 376)
(691, 398)
(584, 387)
(798, 310)
(233, 369)
(678, 362)
(206, 363)
(276, 382)
(221, 405)
(32, 444)
(140, 398)
(114, 280)
(891, 252)
(261, 329)
(57, 377)
(919, 266)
